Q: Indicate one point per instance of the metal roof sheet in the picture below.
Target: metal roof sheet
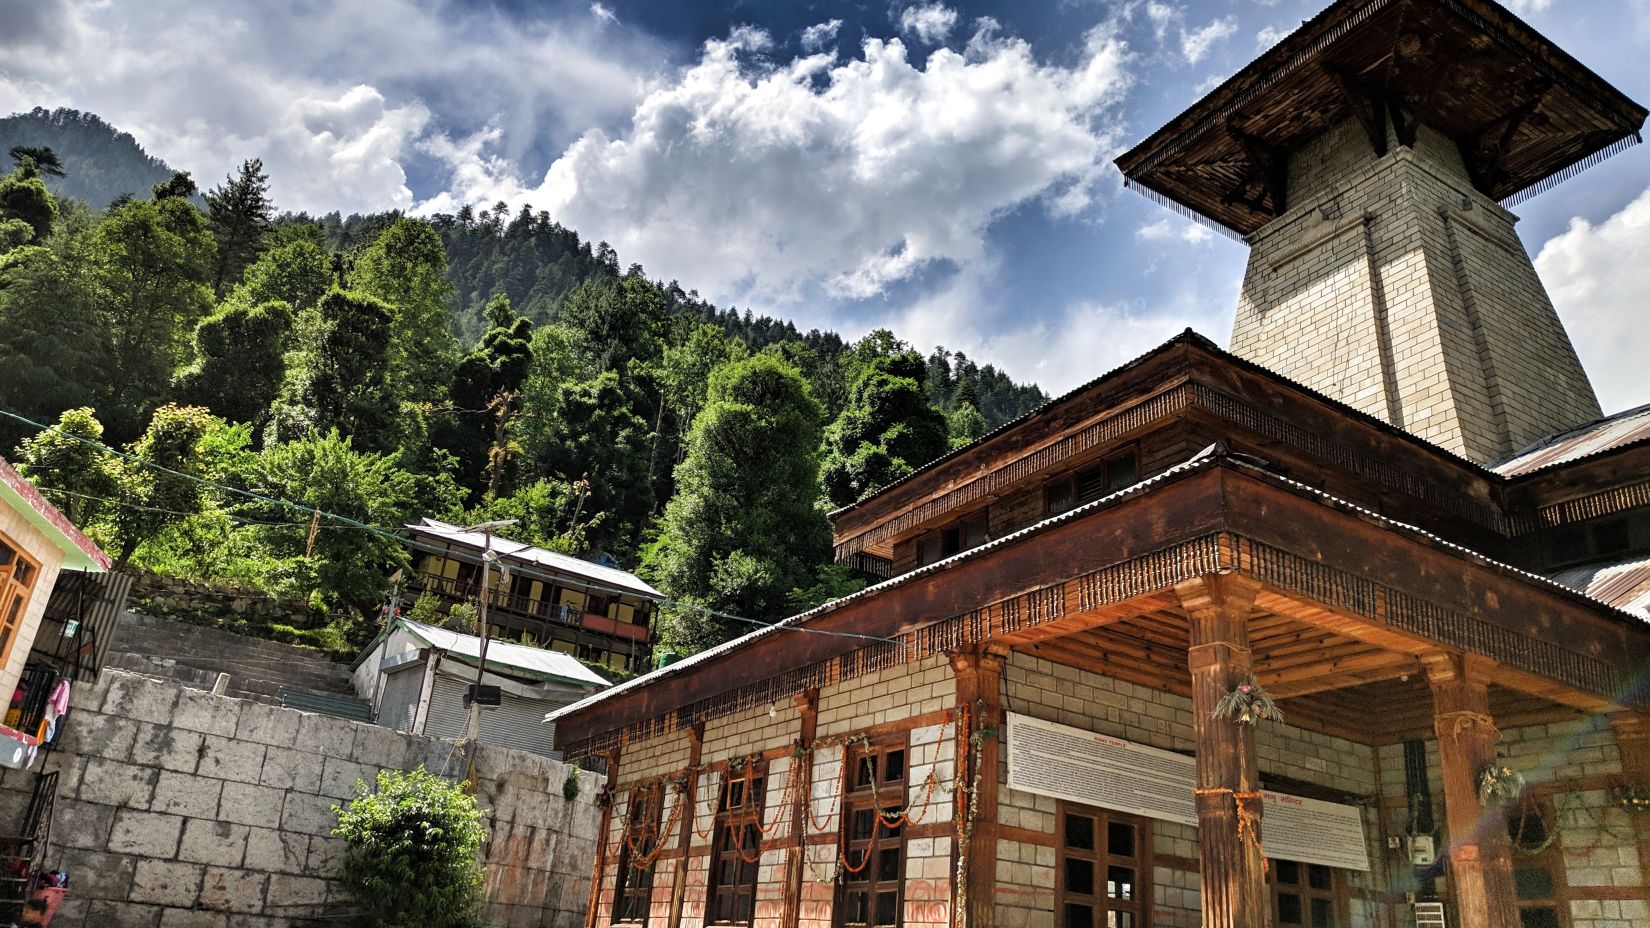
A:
(1623, 584)
(505, 657)
(612, 577)
(1596, 437)
(79, 552)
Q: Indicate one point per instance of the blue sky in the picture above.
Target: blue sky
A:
(943, 169)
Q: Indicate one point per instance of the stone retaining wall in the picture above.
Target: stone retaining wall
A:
(179, 808)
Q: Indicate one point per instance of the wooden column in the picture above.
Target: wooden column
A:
(1632, 729)
(684, 838)
(1229, 836)
(979, 675)
(802, 772)
(598, 868)
(1480, 853)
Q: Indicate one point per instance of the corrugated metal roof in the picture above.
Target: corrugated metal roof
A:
(1623, 428)
(1623, 584)
(506, 657)
(611, 577)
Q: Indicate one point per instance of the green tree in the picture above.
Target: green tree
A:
(152, 261)
(240, 361)
(25, 199)
(549, 513)
(404, 267)
(52, 337)
(239, 212)
(339, 379)
(411, 846)
(180, 186)
(596, 435)
(965, 425)
(153, 495)
(685, 367)
(887, 430)
(743, 529)
(69, 466)
(486, 394)
(612, 323)
(41, 156)
(297, 273)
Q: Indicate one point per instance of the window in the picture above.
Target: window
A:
(633, 895)
(1103, 869)
(1307, 895)
(17, 575)
(1089, 484)
(870, 892)
(1538, 867)
(956, 538)
(738, 848)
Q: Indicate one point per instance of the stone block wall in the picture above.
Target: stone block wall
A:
(179, 808)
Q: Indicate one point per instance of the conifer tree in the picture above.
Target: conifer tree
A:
(239, 212)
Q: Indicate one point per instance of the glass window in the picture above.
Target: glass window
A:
(873, 851)
(1122, 900)
(737, 850)
(1307, 895)
(1538, 864)
(634, 892)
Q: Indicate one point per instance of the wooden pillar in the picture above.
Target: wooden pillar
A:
(1230, 860)
(979, 675)
(1480, 853)
(599, 867)
(802, 772)
(684, 837)
(1632, 729)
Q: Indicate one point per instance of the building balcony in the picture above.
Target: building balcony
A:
(522, 613)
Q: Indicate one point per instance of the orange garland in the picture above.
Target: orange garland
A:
(1248, 816)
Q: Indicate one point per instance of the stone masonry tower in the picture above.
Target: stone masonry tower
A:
(1366, 160)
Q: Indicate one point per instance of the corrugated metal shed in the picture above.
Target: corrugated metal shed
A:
(516, 722)
(573, 568)
(1623, 428)
(506, 658)
(1623, 584)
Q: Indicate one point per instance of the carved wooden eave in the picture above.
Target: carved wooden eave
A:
(1321, 562)
(1523, 113)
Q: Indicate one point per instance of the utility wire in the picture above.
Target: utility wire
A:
(418, 544)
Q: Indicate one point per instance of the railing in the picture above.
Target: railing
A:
(514, 604)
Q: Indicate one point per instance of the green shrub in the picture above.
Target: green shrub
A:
(411, 861)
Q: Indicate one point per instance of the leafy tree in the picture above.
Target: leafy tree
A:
(51, 331)
(239, 212)
(742, 531)
(180, 186)
(68, 465)
(337, 563)
(612, 323)
(240, 361)
(965, 425)
(549, 513)
(403, 267)
(887, 430)
(596, 435)
(24, 198)
(686, 365)
(411, 852)
(153, 495)
(98, 161)
(486, 394)
(151, 261)
(297, 273)
(339, 379)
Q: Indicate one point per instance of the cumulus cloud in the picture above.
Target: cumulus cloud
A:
(828, 176)
(338, 102)
(1197, 43)
(1168, 23)
(819, 35)
(1597, 276)
(603, 13)
(1168, 230)
(1526, 7)
(1269, 36)
(929, 22)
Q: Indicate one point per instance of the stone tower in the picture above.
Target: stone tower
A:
(1366, 160)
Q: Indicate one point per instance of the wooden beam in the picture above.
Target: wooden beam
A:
(1338, 675)
(598, 867)
(979, 674)
(1366, 104)
(1480, 852)
(1632, 730)
(802, 771)
(1228, 774)
(684, 837)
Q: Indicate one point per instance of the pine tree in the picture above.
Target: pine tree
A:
(239, 212)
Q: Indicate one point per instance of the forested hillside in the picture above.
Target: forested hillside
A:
(486, 365)
(99, 161)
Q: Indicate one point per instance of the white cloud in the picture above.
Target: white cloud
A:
(1162, 15)
(1526, 7)
(1597, 276)
(819, 35)
(930, 22)
(1269, 36)
(1166, 229)
(603, 13)
(337, 102)
(826, 176)
(1197, 43)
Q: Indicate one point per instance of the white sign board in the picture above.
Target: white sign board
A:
(1097, 770)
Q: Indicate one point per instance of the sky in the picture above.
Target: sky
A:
(942, 169)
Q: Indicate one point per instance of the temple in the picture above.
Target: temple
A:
(1346, 626)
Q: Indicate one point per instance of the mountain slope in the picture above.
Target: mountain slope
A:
(101, 162)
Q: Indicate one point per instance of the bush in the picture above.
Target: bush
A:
(411, 861)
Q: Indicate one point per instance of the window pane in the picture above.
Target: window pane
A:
(1320, 877)
(1080, 832)
(1533, 882)
(1544, 917)
(1323, 913)
(1119, 920)
(887, 908)
(742, 910)
(1120, 883)
(896, 766)
(1120, 471)
(24, 572)
(1079, 876)
(888, 865)
(1120, 839)
(859, 908)
(863, 822)
(1079, 916)
(865, 770)
(1288, 872)
(1289, 909)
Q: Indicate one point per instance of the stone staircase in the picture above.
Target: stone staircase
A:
(195, 655)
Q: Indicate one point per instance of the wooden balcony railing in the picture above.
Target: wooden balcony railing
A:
(516, 605)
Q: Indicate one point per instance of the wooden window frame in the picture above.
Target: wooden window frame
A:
(742, 807)
(1140, 904)
(15, 594)
(1339, 893)
(857, 797)
(1071, 479)
(954, 537)
(631, 881)
(1551, 859)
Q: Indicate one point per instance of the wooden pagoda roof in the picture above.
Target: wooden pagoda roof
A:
(1523, 112)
